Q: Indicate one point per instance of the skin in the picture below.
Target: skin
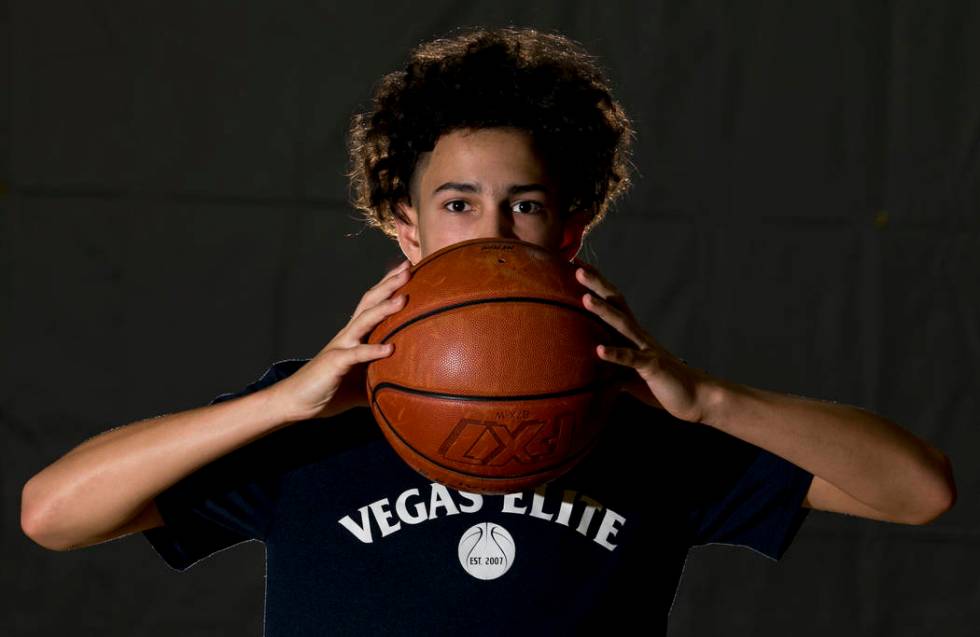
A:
(492, 161)
(862, 464)
(484, 165)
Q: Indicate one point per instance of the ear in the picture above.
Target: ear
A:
(571, 240)
(408, 233)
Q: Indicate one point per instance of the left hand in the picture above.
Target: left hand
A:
(661, 379)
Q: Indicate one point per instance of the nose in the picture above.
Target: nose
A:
(498, 225)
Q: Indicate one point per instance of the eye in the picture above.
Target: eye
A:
(538, 206)
(454, 201)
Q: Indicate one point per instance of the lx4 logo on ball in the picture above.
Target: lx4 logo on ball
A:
(493, 443)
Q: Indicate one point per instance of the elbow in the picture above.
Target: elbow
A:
(34, 530)
(931, 517)
(31, 529)
(946, 496)
(29, 523)
(32, 522)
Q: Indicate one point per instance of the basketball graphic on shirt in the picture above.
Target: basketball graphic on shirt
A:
(486, 551)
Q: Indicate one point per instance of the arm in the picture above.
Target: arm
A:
(104, 488)
(862, 463)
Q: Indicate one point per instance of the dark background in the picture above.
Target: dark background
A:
(174, 218)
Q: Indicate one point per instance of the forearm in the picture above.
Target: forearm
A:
(103, 483)
(870, 458)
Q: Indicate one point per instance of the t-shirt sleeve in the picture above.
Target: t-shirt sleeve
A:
(226, 502)
(742, 494)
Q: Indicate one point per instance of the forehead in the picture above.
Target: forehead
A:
(493, 154)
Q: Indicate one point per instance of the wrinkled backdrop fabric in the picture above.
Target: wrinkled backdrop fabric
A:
(174, 218)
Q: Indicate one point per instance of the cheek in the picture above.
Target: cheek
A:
(552, 234)
(541, 236)
(440, 234)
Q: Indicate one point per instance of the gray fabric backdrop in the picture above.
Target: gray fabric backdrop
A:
(173, 219)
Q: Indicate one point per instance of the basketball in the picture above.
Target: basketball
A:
(494, 384)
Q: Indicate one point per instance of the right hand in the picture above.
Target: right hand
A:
(333, 381)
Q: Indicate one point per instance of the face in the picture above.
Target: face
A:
(485, 183)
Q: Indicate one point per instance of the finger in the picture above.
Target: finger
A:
(367, 320)
(620, 355)
(347, 357)
(600, 286)
(394, 272)
(398, 267)
(617, 318)
(584, 264)
(382, 290)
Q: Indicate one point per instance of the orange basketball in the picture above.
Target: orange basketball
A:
(494, 384)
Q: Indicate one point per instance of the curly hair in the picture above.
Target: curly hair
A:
(543, 83)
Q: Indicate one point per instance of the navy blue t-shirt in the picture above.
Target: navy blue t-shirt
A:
(357, 542)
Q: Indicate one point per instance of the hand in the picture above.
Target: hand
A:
(657, 377)
(333, 381)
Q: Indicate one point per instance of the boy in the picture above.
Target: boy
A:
(489, 133)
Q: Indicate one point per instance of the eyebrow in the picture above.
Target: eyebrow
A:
(476, 188)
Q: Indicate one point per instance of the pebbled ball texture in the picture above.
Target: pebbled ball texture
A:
(494, 385)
